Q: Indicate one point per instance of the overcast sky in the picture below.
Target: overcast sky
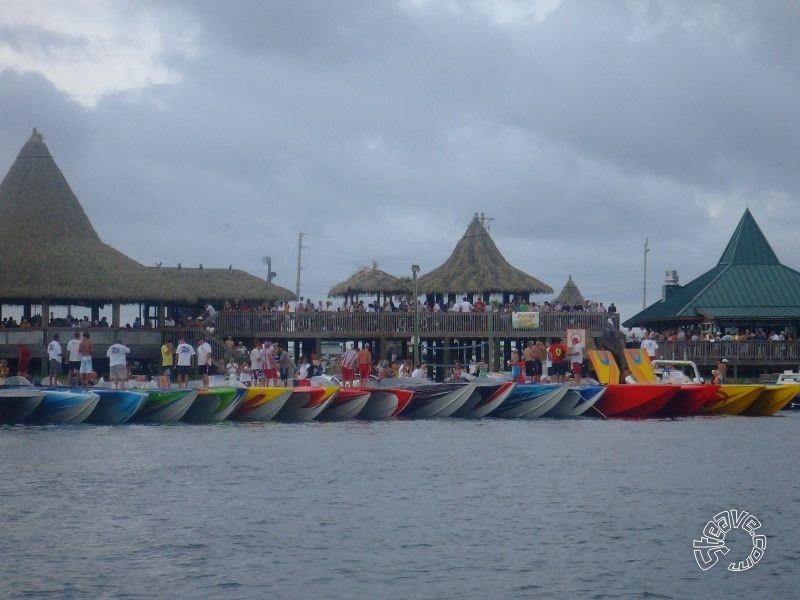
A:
(215, 132)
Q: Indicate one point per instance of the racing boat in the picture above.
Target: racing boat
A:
(18, 403)
(261, 403)
(434, 400)
(636, 401)
(531, 400)
(116, 406)
(733, 399)
(487, 397)
(65, 406)
(577, 401)
(165, 405)
(384, 403)
(772, 399)
(347, 403)
(305, 403)
(214, 404)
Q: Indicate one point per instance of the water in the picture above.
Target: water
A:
(430, 509)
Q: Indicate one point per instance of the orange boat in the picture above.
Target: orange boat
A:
(690, 399)
(772, 399)
(733, 399)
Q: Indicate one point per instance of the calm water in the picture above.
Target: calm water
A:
(433, 509)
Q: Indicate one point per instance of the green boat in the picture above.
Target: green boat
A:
(165, 406)
(214, 404)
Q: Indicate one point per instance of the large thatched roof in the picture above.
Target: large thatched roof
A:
(477, 267)
(369, 280)
(218, 285)
(50, 251)
(570, 294)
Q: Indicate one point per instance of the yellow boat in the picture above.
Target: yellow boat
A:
(772, 399)
(733, 399)
(261, 403)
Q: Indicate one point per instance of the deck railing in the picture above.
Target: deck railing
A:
(750, 352)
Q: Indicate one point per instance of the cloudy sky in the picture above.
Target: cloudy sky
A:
(214, 133)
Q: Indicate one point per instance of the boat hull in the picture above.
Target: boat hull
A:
(486, 398)
(690, 399)
(261, 403)
(165, 406)
(346, 405)
(306, 403)
(733, 399)
(772, 399)
(638, 401)
(18, 404)
(213, 405)
(116, 406)
(577, 401)
(432, 401)
(531, 400)
(385, 403)
(61, 407)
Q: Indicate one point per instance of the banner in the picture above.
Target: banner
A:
(525, 320)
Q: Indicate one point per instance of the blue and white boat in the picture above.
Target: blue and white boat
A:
(65, 406)
(577, 401)
(116, 406)
(530, 400)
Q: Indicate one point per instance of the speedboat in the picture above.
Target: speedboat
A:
(214, 404)
(488, 396)
(17, 404)
(65, 406)
(531, 400)
(384, 403)
(305, 403)
(434, 400)
(733, 398)
(772, 399)
(165, 405)
(635, 401)
(261, 403)
(690, 399)
(347, 403)
(577, 401)
(116, 406)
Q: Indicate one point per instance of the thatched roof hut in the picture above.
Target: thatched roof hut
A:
(370, 281)
(477, 267)
(217, 285)
(570, 294)
(50, 251)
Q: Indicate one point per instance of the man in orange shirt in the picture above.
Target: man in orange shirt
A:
(364, 364)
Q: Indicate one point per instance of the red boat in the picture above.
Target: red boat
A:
(384, 403)
(689, 400)
(639, 401)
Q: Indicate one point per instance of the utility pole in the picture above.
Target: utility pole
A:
(267, 260)
(644, 285)
(299, 262)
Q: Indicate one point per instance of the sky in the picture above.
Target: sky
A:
(215, 133)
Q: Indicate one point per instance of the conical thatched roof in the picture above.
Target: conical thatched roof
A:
(218, 285)
(570, 294)
(477, 267)
(50, 251)
(369, 280)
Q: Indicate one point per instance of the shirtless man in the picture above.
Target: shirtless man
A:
(85, 349)
(364, 364)
(528, 356)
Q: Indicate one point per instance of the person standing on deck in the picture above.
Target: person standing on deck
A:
(285, 364)
(364, 358)
(204, 357)
(721, 372)
(117, 363)
(23, 361)
(270, 366)
(528, 357)
(257, 362)
(167, 360)
(85, 349)
(55, 357)
(557, 352)
(576, 358)
(74, 357)
(348, 364)
(650, 345)
(185, 352)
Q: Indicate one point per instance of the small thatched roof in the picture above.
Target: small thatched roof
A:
(218, 285)
(50, 251)
(570, 294)
(369, 281)
(477, 267)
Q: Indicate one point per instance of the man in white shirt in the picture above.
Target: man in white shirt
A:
(204, 356)
(420, 372)
(74, 356)
(117, 363)
(257, 362)
(184, 353)
(576, 358)
(466, 305)
(55, 358)
(650, 345)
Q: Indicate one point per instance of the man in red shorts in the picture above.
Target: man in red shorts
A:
(364, 364)
(348, 364)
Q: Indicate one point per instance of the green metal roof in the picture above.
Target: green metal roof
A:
(748, 282)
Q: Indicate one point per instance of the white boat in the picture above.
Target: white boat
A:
(65, 407)
(18, 403)
(306, 403)
(531, 400)
(433, 400)
(577, 401)
(384, 403)
(487, 397)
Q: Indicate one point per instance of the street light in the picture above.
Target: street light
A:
(414, 271)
